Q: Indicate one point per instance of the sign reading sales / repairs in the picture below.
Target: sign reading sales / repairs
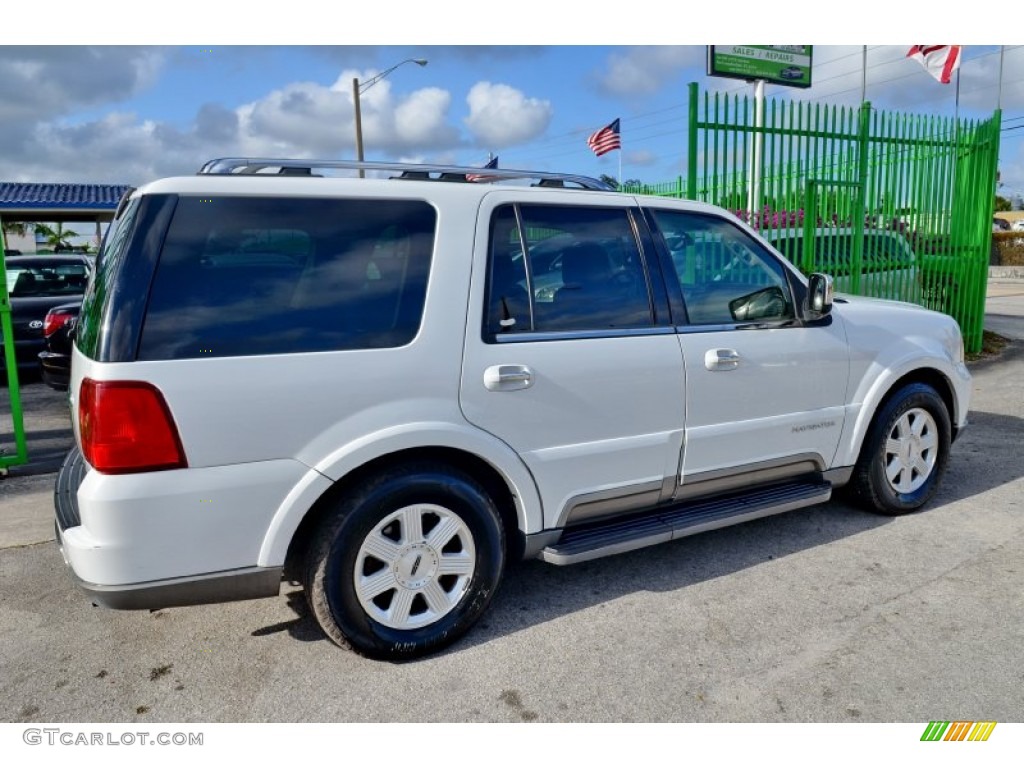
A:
(781, 64)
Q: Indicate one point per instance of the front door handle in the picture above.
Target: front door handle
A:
(721, 359)
(504, 378)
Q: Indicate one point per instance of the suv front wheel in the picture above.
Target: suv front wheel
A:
(406, 564)
(905, 452)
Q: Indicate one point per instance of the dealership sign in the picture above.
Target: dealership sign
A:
(782, 64)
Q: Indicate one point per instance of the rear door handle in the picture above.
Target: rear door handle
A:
(504, 378)
(721, 359)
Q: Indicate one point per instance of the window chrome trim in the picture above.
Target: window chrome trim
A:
(646, 261)
(520, 230)
(717, 328)
(603, 333)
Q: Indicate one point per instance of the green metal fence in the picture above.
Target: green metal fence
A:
(892, 205)
(19, 455)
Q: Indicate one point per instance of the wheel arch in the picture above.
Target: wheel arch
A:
(502, 490)
(930, 376)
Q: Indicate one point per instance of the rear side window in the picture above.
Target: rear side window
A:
(109, 266)
(254, 276)
(562, 268)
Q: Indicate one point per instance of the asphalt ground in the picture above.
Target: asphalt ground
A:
(826, 614)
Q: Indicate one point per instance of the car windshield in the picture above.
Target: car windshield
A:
(56, 280)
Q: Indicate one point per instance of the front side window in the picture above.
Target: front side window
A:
(251, 276)
(561, 268)
(726, 276)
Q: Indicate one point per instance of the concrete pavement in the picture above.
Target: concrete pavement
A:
(1004, 303)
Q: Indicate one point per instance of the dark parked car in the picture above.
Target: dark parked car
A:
(58, 330)
(35, 284)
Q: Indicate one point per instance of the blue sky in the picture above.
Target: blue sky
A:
(128, 112)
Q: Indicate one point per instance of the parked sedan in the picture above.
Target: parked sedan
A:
(58, 331)
(35, 284)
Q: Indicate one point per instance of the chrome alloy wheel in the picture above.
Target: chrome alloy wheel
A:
(414, 566)
(911, 450)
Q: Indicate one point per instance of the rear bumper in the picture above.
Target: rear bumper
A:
(56, 369)
(162, 539)
(228, 586)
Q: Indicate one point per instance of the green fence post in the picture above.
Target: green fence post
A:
(860, 196)
(691, 145)
(20, 455)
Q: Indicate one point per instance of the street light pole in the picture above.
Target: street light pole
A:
(359, 122)
(359, 88)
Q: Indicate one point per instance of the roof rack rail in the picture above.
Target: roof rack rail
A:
(305, 166)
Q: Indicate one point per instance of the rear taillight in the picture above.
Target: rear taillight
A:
(126, 426)
(54, 322)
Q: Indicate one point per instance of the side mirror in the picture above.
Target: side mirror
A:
(819, 296)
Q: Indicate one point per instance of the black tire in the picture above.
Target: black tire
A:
(413, 494)
(920, 469)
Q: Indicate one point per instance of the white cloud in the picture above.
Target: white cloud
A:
(420, 120)
(39, 82)
(310, 119)
(645, 70)
(119, 148)
(303, 118)
(501, 116)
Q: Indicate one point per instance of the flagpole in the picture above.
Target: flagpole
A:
(956, 108)
(754, 179)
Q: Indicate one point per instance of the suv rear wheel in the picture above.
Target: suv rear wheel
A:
(905, 452)
(407, 563)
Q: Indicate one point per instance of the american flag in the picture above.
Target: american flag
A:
(606, 139)
(940, 60)
(492, 163)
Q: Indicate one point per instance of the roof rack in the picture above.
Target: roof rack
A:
(305, 166)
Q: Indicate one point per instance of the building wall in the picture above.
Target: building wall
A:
(24, 243)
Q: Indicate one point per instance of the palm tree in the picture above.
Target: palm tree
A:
(56, 238)
(19, 228)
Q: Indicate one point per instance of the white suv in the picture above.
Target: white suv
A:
(388, 388)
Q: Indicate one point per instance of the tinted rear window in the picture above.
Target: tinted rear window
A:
(251, 276)
(44, 280)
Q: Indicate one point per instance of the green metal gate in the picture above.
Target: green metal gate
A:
(892, 205)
